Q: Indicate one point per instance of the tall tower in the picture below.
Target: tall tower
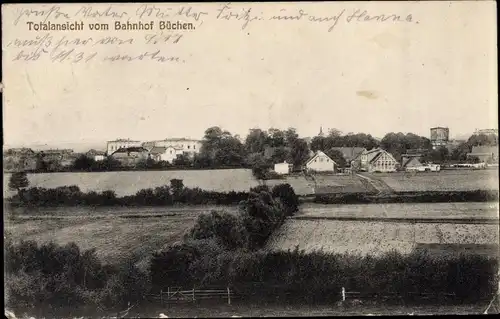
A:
(321, 131)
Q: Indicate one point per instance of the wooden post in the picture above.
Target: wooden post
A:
(193, 294)
(343, 294)
(228, 296)
(161, 297)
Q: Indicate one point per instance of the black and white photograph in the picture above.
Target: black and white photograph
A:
(250, 159)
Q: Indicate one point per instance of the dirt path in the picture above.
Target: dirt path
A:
(379, 185)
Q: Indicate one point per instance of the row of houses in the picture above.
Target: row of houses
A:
(129, 152)
(27, 159)
(360, 159)
(379, 160)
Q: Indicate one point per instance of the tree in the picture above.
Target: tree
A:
(220, 148)
(483, 140)
(259, 165)
(318, 143)
(287, 195)
(18, 181)
(256, 141)
(299, 153)
(41, 165)
(337, 157)
(276, 137)
(182, 160)
(84, 163)
(473, 160)
(177, 186)
(227, 228)
(145, 163)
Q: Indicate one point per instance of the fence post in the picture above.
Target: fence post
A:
(343, 294)
(161, 297)
(228, 296)
(193, 294)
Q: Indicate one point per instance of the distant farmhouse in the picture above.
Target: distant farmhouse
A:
(130, 156)
(160, 150)
(113, 146)
(283, 168)
(375, 160)
(320, 162)
(19, 159)
(96, 155)
(177, 146)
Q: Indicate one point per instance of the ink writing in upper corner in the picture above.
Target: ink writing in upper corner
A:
(76, 33)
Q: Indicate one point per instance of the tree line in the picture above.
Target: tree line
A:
(261, 149)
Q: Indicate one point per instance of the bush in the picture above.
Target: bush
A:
(226, 228)
(65, 276)
(287, 195)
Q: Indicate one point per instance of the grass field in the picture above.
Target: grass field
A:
(128, 183)
(379, 237)
(126, 234)
(407, 210)
(448, 180)
(344, 183)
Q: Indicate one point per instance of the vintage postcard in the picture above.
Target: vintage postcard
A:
(250, 159)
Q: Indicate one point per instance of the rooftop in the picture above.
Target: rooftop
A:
(130, 149)
(124, 140)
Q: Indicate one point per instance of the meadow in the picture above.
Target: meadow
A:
(115, 234)
(446, 180)
(129, 182)
(360, 237)
(241, 180)
(472, 210)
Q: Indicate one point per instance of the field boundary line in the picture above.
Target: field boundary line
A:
(480, 221)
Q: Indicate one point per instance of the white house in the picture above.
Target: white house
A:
(185, 145)
(167, 154)
(320, 162)
(96, 155)
(282, 168)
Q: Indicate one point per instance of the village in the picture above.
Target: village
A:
(181, 152)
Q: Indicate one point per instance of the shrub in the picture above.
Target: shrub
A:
(228, 229)
(18, 181)
(287, 195)
(65, 276)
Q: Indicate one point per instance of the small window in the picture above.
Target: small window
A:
(194, 147)
(189, 146)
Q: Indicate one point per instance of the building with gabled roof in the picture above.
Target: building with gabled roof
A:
(410, 161)
(130, 156)
(350, 153)
(187, 146)
(96, 155)
(375, 160)
(113, 146)
(320, 162)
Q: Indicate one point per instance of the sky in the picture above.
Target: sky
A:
(361, 77)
